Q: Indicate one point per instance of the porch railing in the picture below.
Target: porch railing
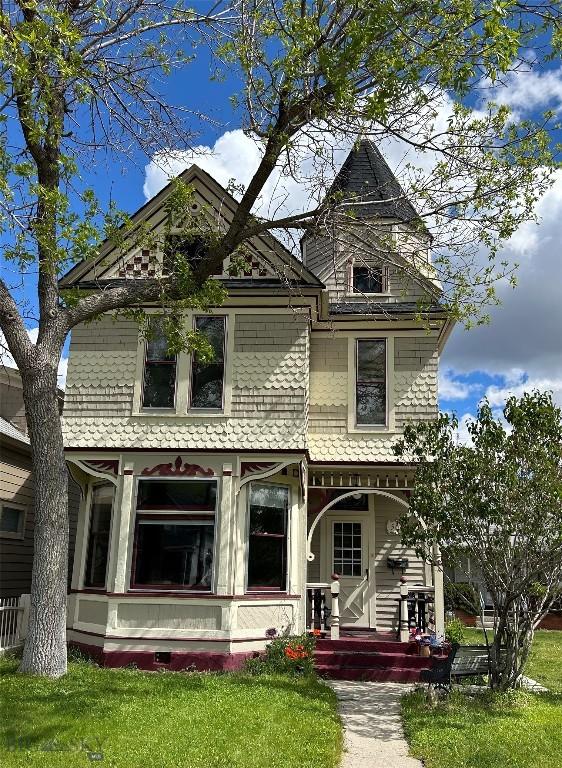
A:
(321, 615)
(14, 612)
(417, 609)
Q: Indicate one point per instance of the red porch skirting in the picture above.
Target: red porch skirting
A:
(202, 661)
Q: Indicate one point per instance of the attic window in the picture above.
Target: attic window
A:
(368, 280)
(193, 249)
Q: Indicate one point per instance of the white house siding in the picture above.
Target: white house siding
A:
(387, 584)
(414, 397)
(269, 380)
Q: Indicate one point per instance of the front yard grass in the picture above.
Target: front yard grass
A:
(166, 720)
(514, 730)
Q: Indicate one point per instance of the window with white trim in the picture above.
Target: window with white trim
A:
(174, 534)
(267, 537)
(12, 520)
(207, 377)
(368, 279)
(370, 382)
(97, 553)
(159, 378)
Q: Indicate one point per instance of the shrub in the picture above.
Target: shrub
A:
(462, 596)
(293, 655)
(454, 631)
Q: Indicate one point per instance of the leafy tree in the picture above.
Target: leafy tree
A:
(499, 499)
(81, 77)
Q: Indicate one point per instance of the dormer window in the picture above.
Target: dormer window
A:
(368, 279)
(159, 382)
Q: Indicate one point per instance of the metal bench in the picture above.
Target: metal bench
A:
(462, 661)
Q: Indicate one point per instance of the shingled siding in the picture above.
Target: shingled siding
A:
(101, 369)
(415, 379)
(269, 379)
(415, 397)
(270, 367)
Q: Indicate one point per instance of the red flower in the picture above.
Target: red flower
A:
(298, 652)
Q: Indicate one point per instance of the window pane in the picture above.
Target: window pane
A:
(371, 403)
(268, 509)
(367, 279)
(11, 520)
(98, 539)
(159, 385)
(267, 549)
(207, 378)
(174, 554)
(266, 562)
(193, 249)
(187, 495)
(347, 559)
(371, 359)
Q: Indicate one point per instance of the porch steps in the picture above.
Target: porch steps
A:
(369, 660)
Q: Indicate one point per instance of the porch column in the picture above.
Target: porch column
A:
(439, 607)
(226, 519)
(119, 552)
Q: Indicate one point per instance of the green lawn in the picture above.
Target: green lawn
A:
(166, 720)
(515, 730)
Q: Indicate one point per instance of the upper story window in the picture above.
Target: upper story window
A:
(370, 383)
(159, 384)
(368, 279)
(207, 378)
(267, 545)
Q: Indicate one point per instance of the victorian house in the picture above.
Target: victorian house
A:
(220, 499)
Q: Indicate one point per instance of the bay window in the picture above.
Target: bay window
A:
(370, 383)
(267, 541)
(98, 536)
(159, 381)
(174, 534)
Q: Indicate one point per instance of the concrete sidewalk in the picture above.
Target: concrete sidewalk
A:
(370, 713)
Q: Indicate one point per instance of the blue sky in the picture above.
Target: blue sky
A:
(521, 348)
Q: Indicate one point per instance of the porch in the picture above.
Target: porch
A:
(360, 577)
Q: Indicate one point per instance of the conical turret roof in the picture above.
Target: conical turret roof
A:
(371, 189)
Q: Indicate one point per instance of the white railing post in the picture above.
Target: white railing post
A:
(404, 628)
(23, 616)
(335, 616)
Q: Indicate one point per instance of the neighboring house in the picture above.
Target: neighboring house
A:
(16, 490)
(217, 495)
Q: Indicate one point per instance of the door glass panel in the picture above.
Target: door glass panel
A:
(347, 549)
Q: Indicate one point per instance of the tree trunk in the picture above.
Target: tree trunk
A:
(45, 646)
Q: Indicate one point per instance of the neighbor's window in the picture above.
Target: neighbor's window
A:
(159, 386)
(174, 551)
(98, 536)
(267, 547)
(12, 520)
(368, 279)
(370, 388)
(207, 378)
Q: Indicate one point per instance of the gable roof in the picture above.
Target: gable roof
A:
(267, 251)
(370, 187)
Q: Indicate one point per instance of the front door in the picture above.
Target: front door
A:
(347, 542)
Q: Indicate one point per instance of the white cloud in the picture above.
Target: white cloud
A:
(498, 394)
(463, 435)
(525, 333)
(7, 359)
(528, 91)
(452, 388)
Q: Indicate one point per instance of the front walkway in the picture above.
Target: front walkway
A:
(373, 732)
